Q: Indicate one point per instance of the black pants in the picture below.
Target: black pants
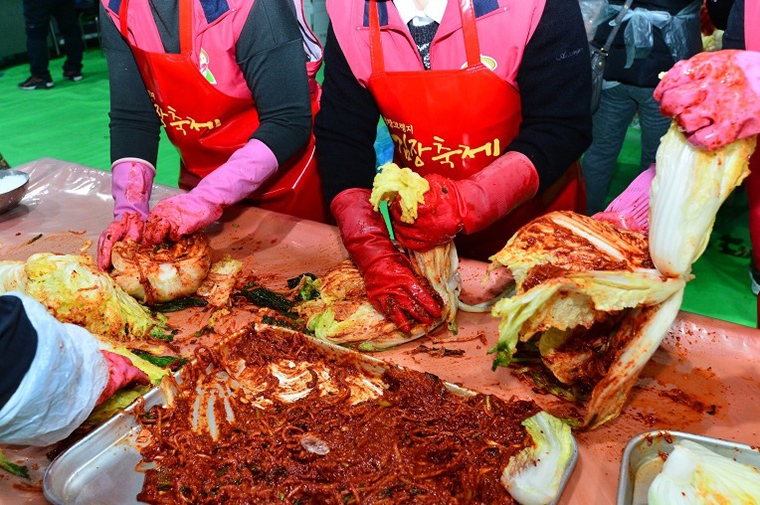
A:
(37, 15)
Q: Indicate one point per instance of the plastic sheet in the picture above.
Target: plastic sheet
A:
(65, 379)
(702, 379)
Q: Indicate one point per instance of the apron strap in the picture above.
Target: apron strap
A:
(469, 30)
(123, 19)
(471, 43)
(185, 26)
(375, 47)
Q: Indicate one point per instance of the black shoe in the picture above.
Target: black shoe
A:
(72, 75)
(34, 82)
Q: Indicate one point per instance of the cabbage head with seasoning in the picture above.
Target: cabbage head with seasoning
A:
(588, 311)
(74, 290)
(695, 475)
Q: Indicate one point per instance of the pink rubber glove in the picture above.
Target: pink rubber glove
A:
(241, 175)
(630, 209)
(131, 186)
(121, 373)
(714, 96)
(467, 205)
(392, 286)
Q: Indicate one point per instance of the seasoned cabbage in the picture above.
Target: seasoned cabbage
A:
(75, 291)
(589, 308)
(161, 273)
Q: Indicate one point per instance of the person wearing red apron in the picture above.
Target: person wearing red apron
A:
(715, 98)
(488, 100)
(233, 85)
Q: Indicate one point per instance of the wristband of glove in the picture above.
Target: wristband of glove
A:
(131, 186)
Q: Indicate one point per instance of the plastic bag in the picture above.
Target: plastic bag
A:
(591, 11)
(63, 383)
(383, 145)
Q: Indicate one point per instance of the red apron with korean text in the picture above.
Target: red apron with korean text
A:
(207, 125)
(455, 123)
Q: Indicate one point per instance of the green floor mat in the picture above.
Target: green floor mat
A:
(70, 122)
(67, 122)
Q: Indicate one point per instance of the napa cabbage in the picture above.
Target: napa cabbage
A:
(534, 475)
(695, 475)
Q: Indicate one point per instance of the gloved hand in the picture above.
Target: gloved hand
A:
(467, 205)
(392, 286)
(241, 175)
(714, 96)
(121, 372)
(131, 185)
(630, 209)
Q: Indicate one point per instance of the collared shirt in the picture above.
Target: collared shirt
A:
(432, 12)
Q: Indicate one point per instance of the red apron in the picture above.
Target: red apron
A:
(434, 133)
(207, 126)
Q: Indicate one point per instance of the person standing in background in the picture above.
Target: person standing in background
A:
(37, 16)
(653, 35)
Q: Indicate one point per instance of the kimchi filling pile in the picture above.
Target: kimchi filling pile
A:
(290, 423)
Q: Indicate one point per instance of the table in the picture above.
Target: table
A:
(702, 380)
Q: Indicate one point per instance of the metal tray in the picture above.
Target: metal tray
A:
(101, 469)
(642, 460)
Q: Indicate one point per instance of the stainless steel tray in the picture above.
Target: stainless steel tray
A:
(642, 460)
(101, 469)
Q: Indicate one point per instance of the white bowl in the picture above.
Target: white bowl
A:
(13, 184)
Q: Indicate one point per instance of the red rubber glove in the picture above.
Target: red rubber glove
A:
(467, 205)
(714, 96)
(392, 286)
(121, 373)
(131, 186)
(184, 214)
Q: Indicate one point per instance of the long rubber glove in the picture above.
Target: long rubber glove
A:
(121, 372)
(714, 96)
(131, 186)
(392, 286)
(630, 209)
(468, 205)
(184, 214)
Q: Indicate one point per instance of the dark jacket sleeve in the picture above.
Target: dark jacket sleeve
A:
(345, 127)
(733, 38)
(271, 55)
(18, 345)
(718, 10)
(554, 80)
(134, 124)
